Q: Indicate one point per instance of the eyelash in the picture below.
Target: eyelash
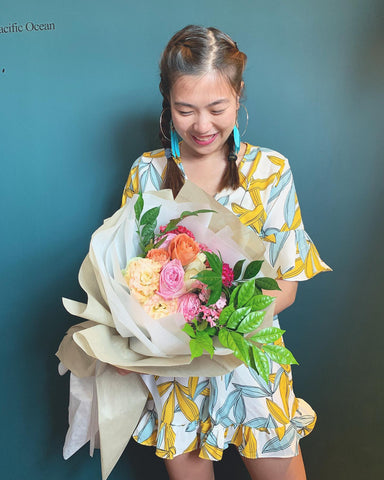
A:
(214, 112)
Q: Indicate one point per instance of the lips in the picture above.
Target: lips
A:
(205, 140)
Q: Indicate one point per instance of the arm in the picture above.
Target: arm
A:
(284, 297)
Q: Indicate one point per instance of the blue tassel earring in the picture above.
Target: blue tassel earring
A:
(174, 142)
(236, 138)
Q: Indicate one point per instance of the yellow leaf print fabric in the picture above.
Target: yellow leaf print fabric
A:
(263, 419)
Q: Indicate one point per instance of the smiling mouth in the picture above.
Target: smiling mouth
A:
(205, 140)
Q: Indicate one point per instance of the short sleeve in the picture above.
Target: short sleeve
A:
(132, 185)
(288, 246)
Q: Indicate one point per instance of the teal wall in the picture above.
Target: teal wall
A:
(79, 103)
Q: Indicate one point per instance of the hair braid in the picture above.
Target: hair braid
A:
(173, 177)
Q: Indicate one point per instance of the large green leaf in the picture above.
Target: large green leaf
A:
(233, 297)
(267, 335)
(249, 323)
(189, 330)
(213, 281)
(147, 232)
(280, 354)
(261, 363)
(150, 216)
(236, 343)
(259, 302)
(202, 342)
(139, 205)
(237, 316)
(246, 292)
(237, 269)
(214, 262)
(252, 269)
(267, 283)
(225, 314)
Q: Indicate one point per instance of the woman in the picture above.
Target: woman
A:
(192, 420)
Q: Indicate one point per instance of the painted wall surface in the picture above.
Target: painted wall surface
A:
(79, 102)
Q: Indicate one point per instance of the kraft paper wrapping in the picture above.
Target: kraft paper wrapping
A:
(105, 406)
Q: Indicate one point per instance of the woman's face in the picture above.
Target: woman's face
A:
(204, 111)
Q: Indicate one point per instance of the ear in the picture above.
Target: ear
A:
(240, 95)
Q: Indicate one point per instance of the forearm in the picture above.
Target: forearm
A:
(284, 297)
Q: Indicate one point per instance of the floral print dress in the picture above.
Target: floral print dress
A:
(263, 419)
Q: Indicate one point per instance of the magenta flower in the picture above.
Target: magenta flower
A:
(227, 275)
(189, 306)
(172, 280)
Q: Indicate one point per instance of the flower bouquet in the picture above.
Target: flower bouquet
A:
(198, 311)
(221, 306)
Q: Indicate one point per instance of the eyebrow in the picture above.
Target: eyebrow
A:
(216, 102)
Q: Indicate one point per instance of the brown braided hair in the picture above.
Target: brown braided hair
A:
(196, 50)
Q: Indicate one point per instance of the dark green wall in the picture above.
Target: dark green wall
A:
(79, 103)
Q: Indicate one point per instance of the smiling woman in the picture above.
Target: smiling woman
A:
(191, 421)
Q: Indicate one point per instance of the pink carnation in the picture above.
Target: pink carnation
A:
(179, 229)
(172, 280)
(189, 306)
(227, 275)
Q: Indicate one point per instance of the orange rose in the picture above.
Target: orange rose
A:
(159, 255)
(184, 248)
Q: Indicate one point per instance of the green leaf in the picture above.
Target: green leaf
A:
(261, 363)
(252, 269)
(214, 283)
(196, 348)
(139, 205)
(233, 297)
(202, 342)
(195, 213)
(237, 269)
(259, 302)
(202, 325)
(160, 242)
(212, 331)
(237, 316)
(267, 335)
(189, 330)
(236, 343)
(252, 321)
(215, 263)
(225, 314)
(147, 232)
(150, 216)
(280, 354)
(246, 292)
(174, 221)
(267, 283)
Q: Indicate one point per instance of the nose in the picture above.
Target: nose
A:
(202, 124)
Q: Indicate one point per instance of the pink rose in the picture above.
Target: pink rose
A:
(172, 280)
(189, 306)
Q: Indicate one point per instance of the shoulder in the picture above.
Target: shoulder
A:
(261, 163)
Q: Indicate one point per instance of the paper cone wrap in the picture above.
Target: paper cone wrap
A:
(119, 333)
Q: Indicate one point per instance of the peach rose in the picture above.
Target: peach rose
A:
(143, 277)
(158, 307)
(159, 255)
(184, 248)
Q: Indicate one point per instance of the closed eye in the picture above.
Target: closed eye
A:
(184, 113)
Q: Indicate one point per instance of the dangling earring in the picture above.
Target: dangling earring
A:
(174, 142)
(236, 138)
